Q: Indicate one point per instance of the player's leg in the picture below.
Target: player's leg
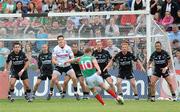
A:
(36, 87)
(97, 96)
(11, 89)
(54, 81)
(171, 87)
(64, 86)
(134, 88)
(91, 85)
(153, 81)
(119, 86)
(110, 82)
(25, 80)
(84, 87)
(72, 75)
(99, 79)
(28, 89)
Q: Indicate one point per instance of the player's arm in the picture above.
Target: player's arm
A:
(39, 62)
(95, 63)
(26, 65)
(169, 63)
(149, 64)
(73, 60)
(110, 62)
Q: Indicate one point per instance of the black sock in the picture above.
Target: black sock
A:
(28, 90)
(51, 90)
(121, 94)
(64, 92)
(85, 93)
(25, 93)
(135, 94)
(75, 89)
(173, 94)
(152, 96)
(11, 91)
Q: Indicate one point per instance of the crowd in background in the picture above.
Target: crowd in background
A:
(166, 13)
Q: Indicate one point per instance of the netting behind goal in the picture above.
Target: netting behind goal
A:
(85, 28)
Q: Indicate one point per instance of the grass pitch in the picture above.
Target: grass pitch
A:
(91, 105)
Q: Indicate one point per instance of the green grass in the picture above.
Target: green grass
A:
(71, 105)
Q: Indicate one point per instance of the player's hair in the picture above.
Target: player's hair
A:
(87, 50)
(16, 43)
(60, 36)
(158, 42)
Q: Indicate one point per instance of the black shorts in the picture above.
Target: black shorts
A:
(159, 73)
(125, 75)
(78, 73)
(14, 74)
(62, 70)
(105, 75)
(45, 74)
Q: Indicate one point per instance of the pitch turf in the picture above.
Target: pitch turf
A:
(91, 105)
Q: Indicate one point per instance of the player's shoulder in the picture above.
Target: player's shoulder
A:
(56, 47)
(105, 51)
(67, 47)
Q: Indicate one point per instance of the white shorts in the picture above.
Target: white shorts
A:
(94, 80)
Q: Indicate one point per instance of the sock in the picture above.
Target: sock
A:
(99, 98)
(28, 92)
(121, 94)
(135, 94)
(85, 93)
(173, 94)
(51, 89)
(11, 91)
(75, 89)
(64, 92)
(25, 93)
(112, 93)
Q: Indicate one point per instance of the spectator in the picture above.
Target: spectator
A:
(86, 30)
(98, 25)
(42, 34)
(55, 29)
(157, 18)
(29, 53)
(78, 5)
(69, 30)
(174, 34)
(49, 6)
(3, 33)
(128, 20)
(175, 46)
(38, 5)
(108, 6)
(177, 19)
(177, 60)
(168, 19)
(154, 6)
(112, 49)
(88, 5)
(97, 6)
(8, 6)
(138, 5)
(170, 6)
(32, 8)
(3, 55)
(112, 29)
(19, 7)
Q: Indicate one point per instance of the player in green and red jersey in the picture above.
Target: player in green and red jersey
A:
(91, 72)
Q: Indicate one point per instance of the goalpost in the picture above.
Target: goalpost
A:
(141, 35)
